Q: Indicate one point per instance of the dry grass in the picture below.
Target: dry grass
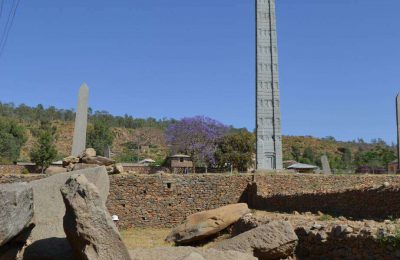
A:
(145, 237)
(153, 237)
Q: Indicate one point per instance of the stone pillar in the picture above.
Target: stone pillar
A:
(79, 141)
(326, 168)
(268, 116)
(398, 130)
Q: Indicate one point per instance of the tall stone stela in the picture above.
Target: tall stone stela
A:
(398, 130)
(79, 141)
(268, 116)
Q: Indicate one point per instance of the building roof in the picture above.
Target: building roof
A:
(180, 156)
(302, 166)
(147, 160)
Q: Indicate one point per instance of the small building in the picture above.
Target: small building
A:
(179, 163)
(288, 163)
(147, 162)
(303, 168)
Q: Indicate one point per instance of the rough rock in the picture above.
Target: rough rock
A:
(275, 240)
(54, 170)
(188, 253)
(206, 223)
(48, 237)
(69, 160)
(81, 166)
(118, 168)
(87, 223)
(90, 152)
(99, 160)
(16, 210)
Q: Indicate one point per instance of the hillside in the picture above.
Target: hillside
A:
(153, 144)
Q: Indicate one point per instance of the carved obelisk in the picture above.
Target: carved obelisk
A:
(398, 130)
(268, 116)
(79, 141)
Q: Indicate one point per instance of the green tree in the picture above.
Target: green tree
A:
(308, 155)
(346, 158)
(12, 138)
(296, 152)
(45, 151)
(99, 136)
(379, 156)
(236, 149)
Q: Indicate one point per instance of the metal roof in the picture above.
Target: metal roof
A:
(180, 156)
(302, 166)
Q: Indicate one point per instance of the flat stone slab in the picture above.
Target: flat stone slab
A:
(16, 210)
(275, 240)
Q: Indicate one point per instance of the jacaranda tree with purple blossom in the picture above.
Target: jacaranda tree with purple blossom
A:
(196, 136)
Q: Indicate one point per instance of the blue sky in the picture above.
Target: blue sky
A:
(339, 61)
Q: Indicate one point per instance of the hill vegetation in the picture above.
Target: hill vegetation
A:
(134, 139)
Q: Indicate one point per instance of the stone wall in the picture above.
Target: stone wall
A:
(355, 196)
(16, 169)
(166, 200)
(12, 178)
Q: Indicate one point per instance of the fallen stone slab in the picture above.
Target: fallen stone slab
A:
(87, 223)
(48, 237)
(16, 210)
(206, 223)
(99, 160)
(187, 253)
(275, 240)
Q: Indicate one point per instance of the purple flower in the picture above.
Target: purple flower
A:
(196, 136)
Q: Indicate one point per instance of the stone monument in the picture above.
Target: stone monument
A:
(326, 168)
(268, 118)
(398, 130)
(79, 141)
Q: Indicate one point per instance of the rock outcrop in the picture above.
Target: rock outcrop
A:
(204, 224)
(16, 210)
(87, 223)
(48, 237)
(187, 253)
(275, 240)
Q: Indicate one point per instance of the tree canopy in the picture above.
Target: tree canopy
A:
(196, 136)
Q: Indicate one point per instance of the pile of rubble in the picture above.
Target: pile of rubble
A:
(336, 238)
(88, 159)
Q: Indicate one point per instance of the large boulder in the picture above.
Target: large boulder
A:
(89, 152)
(99, 160)
(54, 170)
(48, 237)
(204, 224)
(187, 253)
(16, 210)
(275, 240)
(87, 223)
(81, 166)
